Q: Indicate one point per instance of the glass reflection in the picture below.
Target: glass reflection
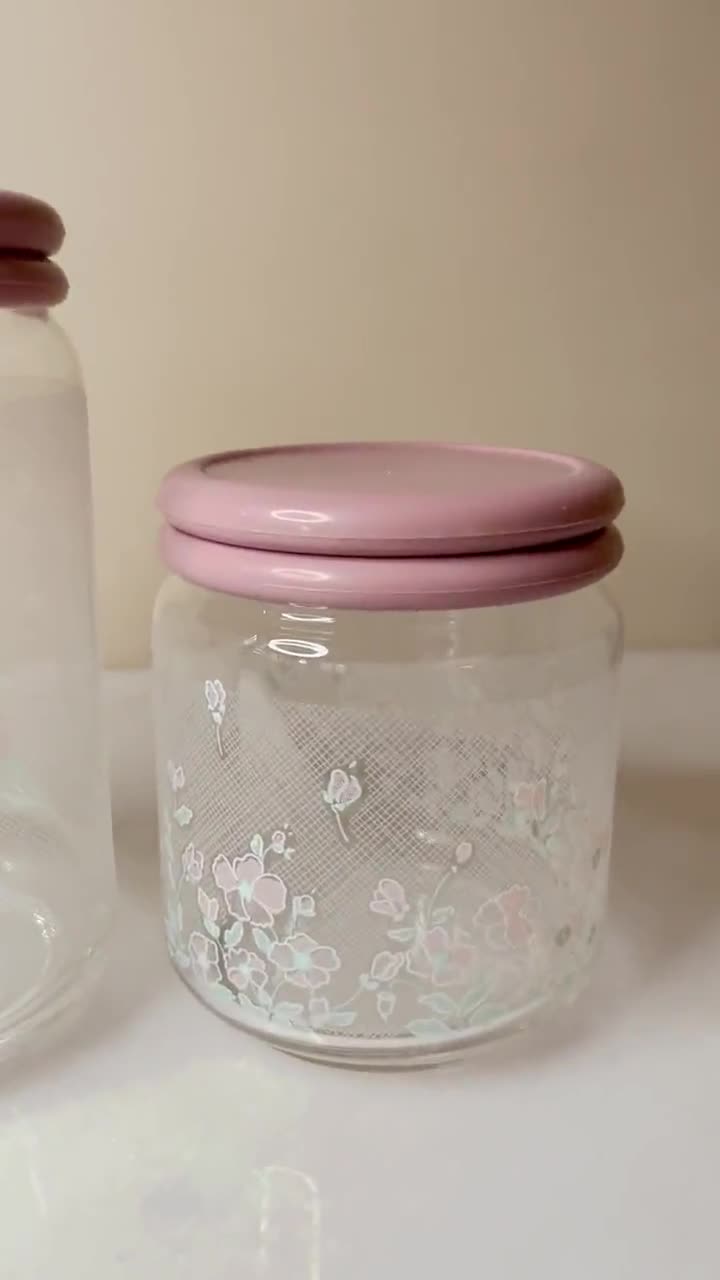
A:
(291, 648)
(289, 1223)
(301, 517)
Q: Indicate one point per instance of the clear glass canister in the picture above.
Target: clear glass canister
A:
(386, 781)
(56, 865)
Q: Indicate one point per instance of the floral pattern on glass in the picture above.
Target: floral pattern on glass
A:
(253, 946)
(506, 919)
(443, 957)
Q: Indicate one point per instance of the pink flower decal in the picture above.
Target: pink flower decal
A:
(303, 962)
(204, 955)
(250, 892)
(444, 961)
(530, 800)
(506, 919)
(389, 900)
(247, 969)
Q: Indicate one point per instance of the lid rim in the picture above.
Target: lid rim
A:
(257, 540)
(28, 224)
(407, 585)
(31, 231)
(485, 499)
(27, 282)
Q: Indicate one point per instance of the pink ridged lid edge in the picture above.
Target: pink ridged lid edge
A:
(452, 582)
(31, 231)
(391, 526)
(390, 499)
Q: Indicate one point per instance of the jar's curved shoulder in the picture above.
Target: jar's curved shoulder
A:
(196, 619)
(35, 346)
(614, 621)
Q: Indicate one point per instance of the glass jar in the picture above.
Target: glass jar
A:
(386, 778)
(56, 865)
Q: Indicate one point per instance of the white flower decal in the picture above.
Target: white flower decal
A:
(323, 1017)
(246, 969)
(342, 791)
(463, 853)
(386, 1001)
(389, 900)
(205, 956)
(304, 962)
(183, 816)
(215, 698)
(208, 908)
(193, 862)
(442, 960)
(250, 1010)
(386, 966)
(234, 935)
(176, 776)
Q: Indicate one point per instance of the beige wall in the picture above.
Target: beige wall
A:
(313, 218)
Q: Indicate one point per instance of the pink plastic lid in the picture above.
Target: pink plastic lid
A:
(353, 582)
(391, 525)
(30, 232)
(389, 499)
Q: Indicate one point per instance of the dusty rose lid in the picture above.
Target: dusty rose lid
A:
(356, 582)
(393, 526)
(390, 499)
(30, 232)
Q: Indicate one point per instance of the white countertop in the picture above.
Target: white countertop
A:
(159, 1142)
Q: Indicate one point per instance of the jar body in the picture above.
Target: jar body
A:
(56, 865)
(385, 836)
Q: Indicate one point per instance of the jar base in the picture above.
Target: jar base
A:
(402, 1056)
(399, 1053)
(43, 917)
(46, 1010)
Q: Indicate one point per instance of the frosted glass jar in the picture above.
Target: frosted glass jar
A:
(56, 865)
(386, 797)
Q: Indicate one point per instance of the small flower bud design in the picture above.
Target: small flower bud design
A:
(343, 790)
(215, 698)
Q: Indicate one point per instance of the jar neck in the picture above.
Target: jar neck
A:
(550, 626)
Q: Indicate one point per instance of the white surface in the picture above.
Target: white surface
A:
(159, 1142)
